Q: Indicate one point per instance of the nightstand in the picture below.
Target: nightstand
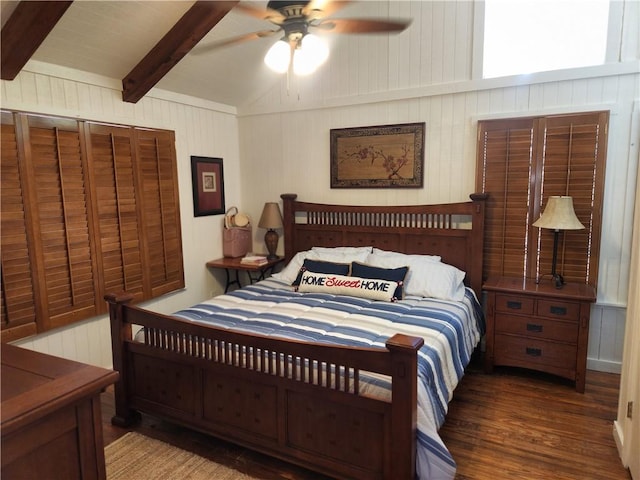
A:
(538, 326)
(254, 272)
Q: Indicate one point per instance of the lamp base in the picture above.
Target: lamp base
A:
(271, 241)
(556, 279)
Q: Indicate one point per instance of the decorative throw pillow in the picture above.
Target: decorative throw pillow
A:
(319, 266)
(371, 288)
(392, 274)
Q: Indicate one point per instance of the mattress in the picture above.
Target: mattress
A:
(451, 330)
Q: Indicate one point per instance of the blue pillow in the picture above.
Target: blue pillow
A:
(377, 273)
(319, 266)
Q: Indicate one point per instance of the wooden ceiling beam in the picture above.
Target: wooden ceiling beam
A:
(24, 31)
(183, 36)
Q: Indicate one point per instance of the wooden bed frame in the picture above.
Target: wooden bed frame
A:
(266, 398)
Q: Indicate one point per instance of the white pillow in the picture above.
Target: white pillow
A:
(426, 278)
(374, 289)
(337, 250)
(340, 256)
(404, 256)
(290, 272)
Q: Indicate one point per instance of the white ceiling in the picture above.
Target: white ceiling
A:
(109, 38)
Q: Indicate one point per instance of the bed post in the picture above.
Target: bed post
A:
(120, 332)
(477, 242)
(404, 359)
(289, 219)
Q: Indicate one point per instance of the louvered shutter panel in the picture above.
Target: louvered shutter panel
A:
(56, 167)
(18, 300)
(114, 178)
(520, 163)
(573, 163)
(505, 162)
(87, 209)
(155, 154)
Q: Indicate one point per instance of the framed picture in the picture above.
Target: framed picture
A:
(208, 186)
(385, 156)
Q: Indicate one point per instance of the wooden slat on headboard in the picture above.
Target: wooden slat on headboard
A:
(455, 231)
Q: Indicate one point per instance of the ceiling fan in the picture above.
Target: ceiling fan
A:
(299, 49)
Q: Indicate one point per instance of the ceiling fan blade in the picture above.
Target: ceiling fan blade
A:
(233, 41)
(362, 25)
(317, 9)
(262, 13)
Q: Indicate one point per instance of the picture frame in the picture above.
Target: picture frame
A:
(383, 156)
(207, 177)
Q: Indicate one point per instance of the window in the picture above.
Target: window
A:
(87, 209)
(529, 36)
(520, 164)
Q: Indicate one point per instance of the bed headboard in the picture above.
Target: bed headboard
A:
(455, 231)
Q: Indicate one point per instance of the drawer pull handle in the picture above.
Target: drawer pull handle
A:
(534, 352)
(532, 327)
(558, 310)
(514, 305)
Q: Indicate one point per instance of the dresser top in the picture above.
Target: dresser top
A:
(545, 287)
(35, 384)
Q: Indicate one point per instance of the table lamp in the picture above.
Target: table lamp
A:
(558, 215)
(271, 219)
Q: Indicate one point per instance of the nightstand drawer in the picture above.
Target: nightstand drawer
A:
(528, 352)
(537, 328)
(558, 309)
(514, 304)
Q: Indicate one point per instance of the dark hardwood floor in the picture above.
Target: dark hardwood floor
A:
(513, 424)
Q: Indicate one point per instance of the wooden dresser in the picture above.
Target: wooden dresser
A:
(51, 421)
(538, 326)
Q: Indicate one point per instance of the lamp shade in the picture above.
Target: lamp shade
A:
(278, 56)
(303, 52)
(559, 215)
(311, 53)
(271, 217)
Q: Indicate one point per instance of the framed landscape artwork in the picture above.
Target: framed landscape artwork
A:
(208, 186)
(385, 156)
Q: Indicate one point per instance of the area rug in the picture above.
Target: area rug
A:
(138, 457)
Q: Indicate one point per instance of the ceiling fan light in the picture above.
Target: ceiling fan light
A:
(315, 47)
(278, 57)
(312, 53)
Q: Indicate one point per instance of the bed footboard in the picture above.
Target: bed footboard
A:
(293, 400)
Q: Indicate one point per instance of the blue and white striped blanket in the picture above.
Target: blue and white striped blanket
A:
(450, 329)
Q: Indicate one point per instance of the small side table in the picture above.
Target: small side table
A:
(236, 265)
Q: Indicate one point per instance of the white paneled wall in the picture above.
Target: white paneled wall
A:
(429, 74)
(202, 128)
(279, 141)
(295, 147)
(606, 338)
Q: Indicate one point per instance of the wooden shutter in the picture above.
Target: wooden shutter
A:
(18, 306)
(87, 209)
(117, 211)
(506, 160)
(573, 163)
(520, 163)
(55, 163)
(160, 219)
